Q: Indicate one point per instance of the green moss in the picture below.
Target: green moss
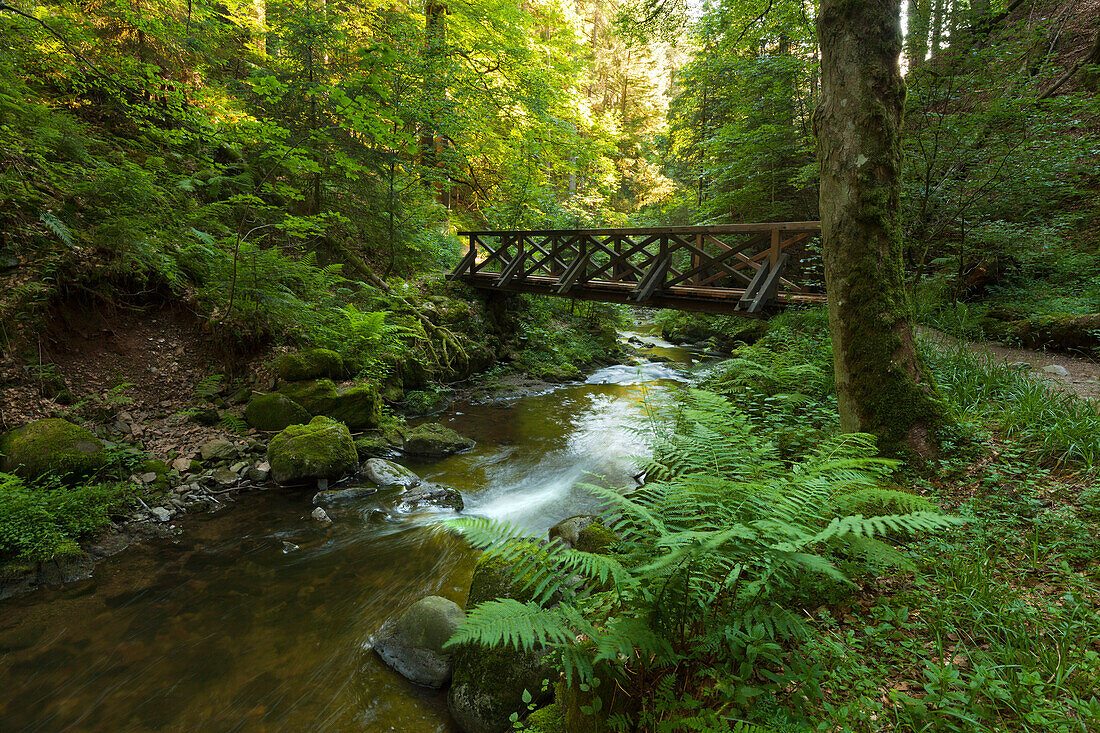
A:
(595, 538)
(493, 578)
(433, 439)
(550, 719)
(271, 412)
(317, 396)
(310, 364)
(321, 449)
(359, 407)
(488, 685)
(51, 447)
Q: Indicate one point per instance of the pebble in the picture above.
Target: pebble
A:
(162, 514)
(1061, 371)
(148, 478)
(321, 516)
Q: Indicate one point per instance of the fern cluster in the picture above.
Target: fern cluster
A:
(720, 556)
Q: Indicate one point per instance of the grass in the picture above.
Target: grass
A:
(985, 393)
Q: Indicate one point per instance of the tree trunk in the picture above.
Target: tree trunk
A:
(882, 386)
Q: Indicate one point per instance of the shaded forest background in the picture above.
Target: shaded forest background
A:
(265, 161)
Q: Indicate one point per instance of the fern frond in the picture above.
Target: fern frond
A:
(58, 227)
(506, 621)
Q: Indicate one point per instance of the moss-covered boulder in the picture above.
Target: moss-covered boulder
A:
(494, 578)
(310, 364)
(387, 473)
(413, 646)
(317, 395)
(274, 412)
(550, 719)
(488, 684)
(595, 538)
(359, 407)
(426, 494)
(432, 440)
(322, 449)
(567, 530)
(574, 702)
(51, 447)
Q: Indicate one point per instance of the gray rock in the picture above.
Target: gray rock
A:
(427, 494)
(338, 495)
(161, 514)
(432, 440)
(322, 484)
(413, 646)
(225, 477)
(238, 466)
(321, 516)
(387, 473)
(567, 530)
(183, 465)
(148, 478)
(258, 475)
(217, 450)
(1057, 369)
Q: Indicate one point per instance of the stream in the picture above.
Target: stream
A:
(256, 618)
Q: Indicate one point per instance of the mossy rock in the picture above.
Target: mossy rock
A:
(488, 684)
(274, 412)
(432, 440)
(51, 447)
(573, 702)
(595, 538)
(323, 449)
(413, 646)
(359, 407)
(567, 530)
(310, 364)
(372, 445)
(317, 396)
(493, 578)
(550, 719)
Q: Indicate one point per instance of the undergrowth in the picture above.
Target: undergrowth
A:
(723, 607)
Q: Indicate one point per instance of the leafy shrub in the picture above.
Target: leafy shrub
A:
(46, 522)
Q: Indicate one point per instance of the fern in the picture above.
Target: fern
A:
(58, 227)
(718, 554)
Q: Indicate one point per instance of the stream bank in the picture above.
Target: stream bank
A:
(258, 617)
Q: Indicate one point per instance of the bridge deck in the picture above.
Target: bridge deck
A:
(725, 269)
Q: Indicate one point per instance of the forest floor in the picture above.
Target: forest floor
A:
(1075, 374)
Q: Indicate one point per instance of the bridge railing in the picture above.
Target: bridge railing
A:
(743, 262)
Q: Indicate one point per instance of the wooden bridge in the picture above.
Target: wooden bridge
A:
(724, 269)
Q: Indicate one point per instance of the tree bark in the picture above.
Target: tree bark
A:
(882, 386)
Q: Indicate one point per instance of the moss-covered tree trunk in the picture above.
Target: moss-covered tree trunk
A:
(882, 386)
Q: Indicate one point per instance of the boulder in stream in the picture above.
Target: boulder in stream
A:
(52, 446)
(387, 473)
(413, 646)
(357, 406)
(323, 449)
(487, 685)
(425, 494)
(432, 440)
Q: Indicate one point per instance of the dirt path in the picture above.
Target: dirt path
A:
(1075, 374)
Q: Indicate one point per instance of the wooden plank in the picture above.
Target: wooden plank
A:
(467, 262)
(754, 286)
(566, 281)
(768, 288)
(783, 226)
(515, 264)
(652, 281)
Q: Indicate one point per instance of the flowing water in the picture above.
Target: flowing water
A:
(257, 618)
